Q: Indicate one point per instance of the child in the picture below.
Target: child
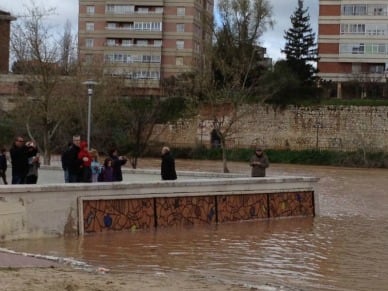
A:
(86, 159)
(96, 166)
(107, 171)
(3, 165)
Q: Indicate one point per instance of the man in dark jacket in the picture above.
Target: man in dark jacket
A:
(65, 161)
(72, 162)
(19, 159)
(168, 165)
(259, 162)
(117, 163)
(3, 166)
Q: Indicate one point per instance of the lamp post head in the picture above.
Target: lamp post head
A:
(90, 84)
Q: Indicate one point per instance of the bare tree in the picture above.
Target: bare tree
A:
(237, 65)
(67, 49)
(43, 103)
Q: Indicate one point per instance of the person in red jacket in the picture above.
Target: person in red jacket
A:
(86, 158)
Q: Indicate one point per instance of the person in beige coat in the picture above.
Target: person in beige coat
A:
(259, 162)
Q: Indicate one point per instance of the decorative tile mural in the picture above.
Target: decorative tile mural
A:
(242, 207)
(124, 214)
(118, 214)
(178, 211)
(291, 204)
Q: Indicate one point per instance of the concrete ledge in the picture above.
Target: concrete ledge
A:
(57, 209)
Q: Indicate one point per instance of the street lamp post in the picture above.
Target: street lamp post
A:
(90, 85)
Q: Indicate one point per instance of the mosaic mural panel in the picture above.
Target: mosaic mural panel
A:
(183, 211)
(118, 214)
(291, 204)
(242, 207)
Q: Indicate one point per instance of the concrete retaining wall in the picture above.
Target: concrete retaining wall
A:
(64, 209)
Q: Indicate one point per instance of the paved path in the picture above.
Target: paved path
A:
(10, 260)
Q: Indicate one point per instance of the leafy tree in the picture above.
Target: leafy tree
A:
(294, 80)
(281, 84)
(300, 48)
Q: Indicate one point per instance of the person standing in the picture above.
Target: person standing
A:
(73, 162)
(19, 160)
(259, 162)
(117, 163)
(65, 161)
(168, 165)
(3, 165)
(33, 163)
(95, 165)
(85, 157)
(106, 174)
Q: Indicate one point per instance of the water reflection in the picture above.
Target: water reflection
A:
(343, 249)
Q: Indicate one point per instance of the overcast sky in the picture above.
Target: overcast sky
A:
(273, 39)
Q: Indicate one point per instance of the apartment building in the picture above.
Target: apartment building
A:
(353, 42)
(5, 27)
(144, 41)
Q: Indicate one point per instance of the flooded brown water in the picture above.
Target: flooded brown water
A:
(344, 248)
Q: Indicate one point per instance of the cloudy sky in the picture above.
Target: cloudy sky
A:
(272, 39)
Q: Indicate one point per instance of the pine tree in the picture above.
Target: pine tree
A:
(300, 48)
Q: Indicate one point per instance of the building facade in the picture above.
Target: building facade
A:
(144, 42)
(353, 42)
(5, 28)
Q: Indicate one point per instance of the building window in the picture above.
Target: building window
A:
(361, 48)
(180, 27)
(90, 10)
(126, 42)
(352, 28)
(142, 10)
(119, 9)
(356, 68)
(89, 26)
(141, 42)
(179, 61)
(376, 29)
(180, 44)
(159, 10)
(89, 42)
(377, 10)
(358, 49)
(88, 58)
(157, 43)
(111, 42)
(181, 11)
(146, 59)
(354, 9)
(155, 59)
(111, 25)
(156, 26)
(377, 68)
(197, 47)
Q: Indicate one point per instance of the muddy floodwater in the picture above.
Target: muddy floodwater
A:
(344, 248)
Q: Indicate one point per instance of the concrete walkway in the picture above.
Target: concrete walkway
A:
(11, 260)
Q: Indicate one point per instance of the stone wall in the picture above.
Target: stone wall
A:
(324, 127)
